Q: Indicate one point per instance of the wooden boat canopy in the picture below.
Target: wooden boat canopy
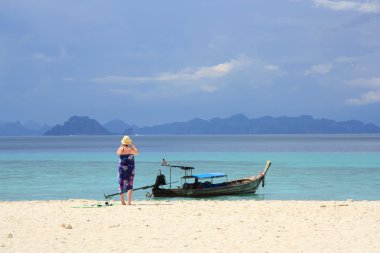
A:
(206, 175)
(180, 167)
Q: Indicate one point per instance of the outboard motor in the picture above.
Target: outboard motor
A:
(160, 180)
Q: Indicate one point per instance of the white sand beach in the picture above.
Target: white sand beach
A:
(191, 226)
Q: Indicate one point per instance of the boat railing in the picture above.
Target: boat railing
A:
(187, 169)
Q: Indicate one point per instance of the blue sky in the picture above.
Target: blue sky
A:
(151, 62)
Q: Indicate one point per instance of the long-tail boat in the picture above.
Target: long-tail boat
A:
(202, 185)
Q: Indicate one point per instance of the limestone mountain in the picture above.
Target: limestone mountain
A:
(79, 126)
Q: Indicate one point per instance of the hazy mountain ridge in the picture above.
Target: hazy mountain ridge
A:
(236, 124)
(240, 124)
(118, 126)
(18, 129)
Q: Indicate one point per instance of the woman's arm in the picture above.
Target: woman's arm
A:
(131, 149)
(120, 150)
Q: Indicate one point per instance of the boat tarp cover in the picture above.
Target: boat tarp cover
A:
(181, 167)
(208, 175)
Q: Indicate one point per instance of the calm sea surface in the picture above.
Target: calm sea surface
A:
(304, 167)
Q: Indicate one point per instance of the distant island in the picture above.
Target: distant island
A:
(240, 124)
(237, 124)
(79, 126)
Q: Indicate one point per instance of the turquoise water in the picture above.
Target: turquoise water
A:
(304, 167)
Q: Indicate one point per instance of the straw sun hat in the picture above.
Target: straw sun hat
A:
(126, 140)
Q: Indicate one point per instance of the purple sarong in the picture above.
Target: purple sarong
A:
(126, 172)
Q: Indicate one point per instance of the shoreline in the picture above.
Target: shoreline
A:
(190, 226)
(189, 199)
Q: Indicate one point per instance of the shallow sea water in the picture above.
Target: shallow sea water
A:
(304, 167)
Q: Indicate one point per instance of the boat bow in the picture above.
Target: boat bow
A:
(265, 172)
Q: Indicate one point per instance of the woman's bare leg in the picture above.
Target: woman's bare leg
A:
(129, 196)
(122, 199)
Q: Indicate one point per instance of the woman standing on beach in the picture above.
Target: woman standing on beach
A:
(126, 152)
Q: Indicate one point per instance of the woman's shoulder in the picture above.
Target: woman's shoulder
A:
(123, 151)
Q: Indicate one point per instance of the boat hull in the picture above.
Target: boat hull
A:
(236, 187)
